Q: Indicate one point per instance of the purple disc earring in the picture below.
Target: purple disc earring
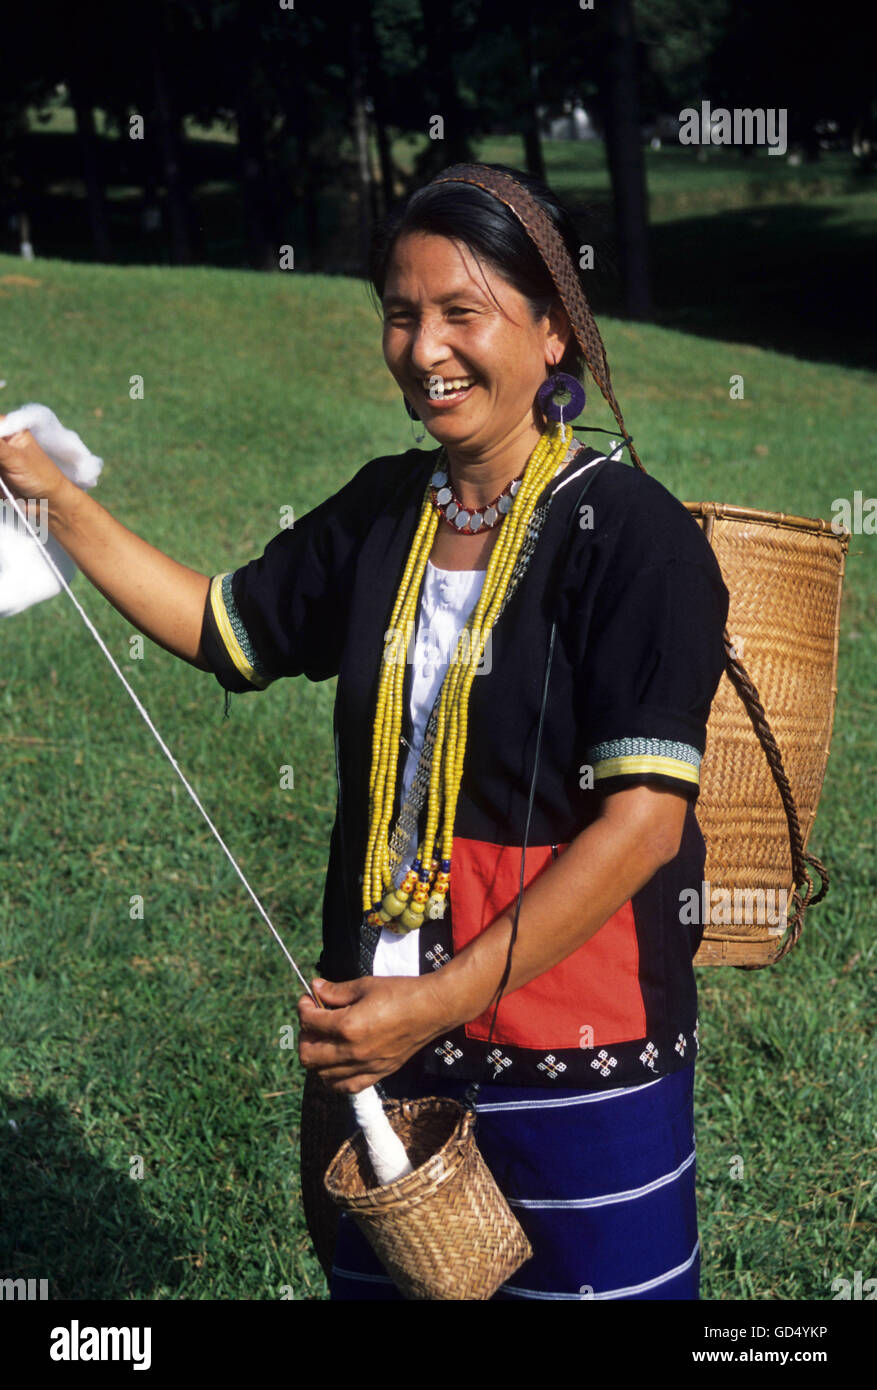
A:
(571, 393)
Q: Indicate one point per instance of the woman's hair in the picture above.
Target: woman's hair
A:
(492, 232)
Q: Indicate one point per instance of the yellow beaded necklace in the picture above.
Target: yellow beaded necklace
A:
(424, 889)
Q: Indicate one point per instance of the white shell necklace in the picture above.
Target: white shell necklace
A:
(468, 521)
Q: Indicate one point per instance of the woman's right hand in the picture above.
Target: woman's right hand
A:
(26, 469)
(164, 599)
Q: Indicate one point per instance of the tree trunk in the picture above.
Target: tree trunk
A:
(812, 152)
(312, 211)
(87, 140)
(260, 219)
(375, 89)
(170, 144)
(261, 246)
(532, 139)
(388, 192)
(22, 185)
(306, 181)
(375, 81)
(360, 134)
(625, 156)
(453, 147)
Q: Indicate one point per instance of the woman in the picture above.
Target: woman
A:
(466, 770)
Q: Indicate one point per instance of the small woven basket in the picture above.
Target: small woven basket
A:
(445, 1231)
(770, 725)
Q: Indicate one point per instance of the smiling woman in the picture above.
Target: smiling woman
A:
(469, 354)
(523, 690)
(585, 783)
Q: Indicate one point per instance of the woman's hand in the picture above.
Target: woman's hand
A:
(26, 469)
(370, 1027)
(373, 1025)
(162, 598)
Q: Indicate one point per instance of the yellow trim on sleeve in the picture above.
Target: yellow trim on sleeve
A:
(668, 767)
(226, 632)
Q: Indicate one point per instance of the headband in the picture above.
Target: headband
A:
(552, 248)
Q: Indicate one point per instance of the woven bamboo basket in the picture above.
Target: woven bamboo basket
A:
(445, 1231)
(769, 729)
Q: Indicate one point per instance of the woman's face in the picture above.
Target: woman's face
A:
(462, 345)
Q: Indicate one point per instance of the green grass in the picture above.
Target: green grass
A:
(683, 179)
(159, 1038)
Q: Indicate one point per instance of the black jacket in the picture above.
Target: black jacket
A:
(640, 607)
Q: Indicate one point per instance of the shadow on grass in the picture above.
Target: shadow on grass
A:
(792, 277)
(795, 278)
(66, 1217)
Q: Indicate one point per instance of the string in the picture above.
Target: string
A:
(143, 712)
(475, 1086)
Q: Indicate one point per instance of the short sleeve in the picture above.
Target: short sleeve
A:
(652, 663)
(286, 613)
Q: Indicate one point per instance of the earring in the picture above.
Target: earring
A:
(413, 415)
(561, 397)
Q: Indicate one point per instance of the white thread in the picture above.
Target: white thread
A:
(156, 735)
(386, 1151)
(385, 1148)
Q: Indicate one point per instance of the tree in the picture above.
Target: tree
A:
(445, 29)
(625, 155)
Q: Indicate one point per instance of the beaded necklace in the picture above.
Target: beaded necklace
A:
(424, 889)
(469, 520)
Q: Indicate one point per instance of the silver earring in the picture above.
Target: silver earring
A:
(413, 416)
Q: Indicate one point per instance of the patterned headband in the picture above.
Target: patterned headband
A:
(552, 248)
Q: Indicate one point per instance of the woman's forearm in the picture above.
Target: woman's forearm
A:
(371, 1025)
(161, 597)
(568, 902)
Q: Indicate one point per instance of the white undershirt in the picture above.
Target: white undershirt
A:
(447, 600)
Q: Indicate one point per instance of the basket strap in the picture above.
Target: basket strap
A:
(550, 245)
(803, 896)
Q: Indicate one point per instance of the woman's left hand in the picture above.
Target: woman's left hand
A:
(368, 1029)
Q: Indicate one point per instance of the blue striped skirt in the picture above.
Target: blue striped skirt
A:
(601, 1182)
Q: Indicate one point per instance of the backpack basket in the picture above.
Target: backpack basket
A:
(769, 729)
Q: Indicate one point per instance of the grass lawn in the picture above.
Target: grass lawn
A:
(160, 1039)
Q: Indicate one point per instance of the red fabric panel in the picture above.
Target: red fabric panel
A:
(596, 988)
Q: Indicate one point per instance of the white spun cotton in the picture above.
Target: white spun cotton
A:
(385, 1148)
(25, 577)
